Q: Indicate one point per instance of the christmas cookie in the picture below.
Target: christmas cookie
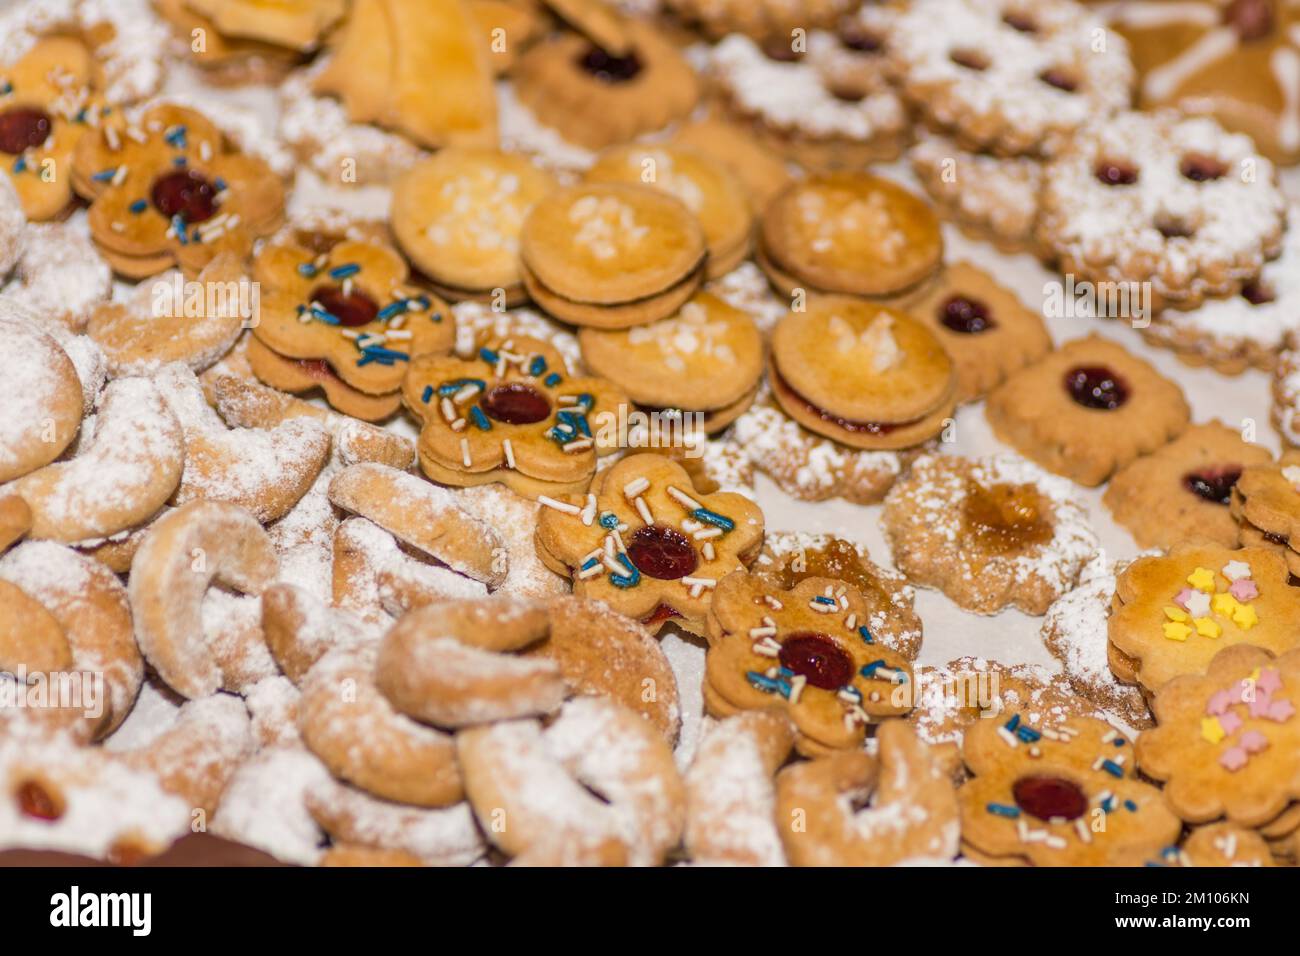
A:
(1013, 79)
(808, 652)
(224, 60)
(1162, 199)
(1266, 503)
(511, 414)
(1225, 742)
(989, 533)
(1174, 613)
(1087, 409)
(760, 19)
(911, 820)
(865, 375)
(1181, 492)
(165, 190)
(15, 520)
(704, 185)
(13, 228)
(1218, 844)
(296, 24)
(41, 394)
(611, 255)
(760, 172)
(1286, 393)
(458, 216)
(705, 361)
(1063, 793)
(848, 232)
(985, 328)
(646, 542)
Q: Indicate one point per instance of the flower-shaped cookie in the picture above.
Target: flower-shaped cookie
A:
(351, 307)
(808, 651)
(510, 414)
(1227, 742)
(46, 106)
(1174, 613)
(645, 542)
(164, 189)
(1060, 794)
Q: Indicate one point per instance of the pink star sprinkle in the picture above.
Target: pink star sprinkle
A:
(1243, 589)
(1269, 680)
(1183, 595)
(1281, 710)
(1230, 723)
(1234, 758)
(1219, 702)
(1252, 741)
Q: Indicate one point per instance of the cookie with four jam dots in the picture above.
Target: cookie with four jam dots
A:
(352, 307)
(647, 543)
(595, 96)
(848, 232)
(807, 652)
(296, 24)
(1181, 492)
(458, 216)
(611, 255)
(705, 186)
(985, 328)
(1227, 741)
(706, 360)
(1058, 792)
(1236, 60)
(1012, 78)
(990, 533)
(866, 375)
(1164, 199)
(1087, 409)
(511, 414)
(1174, 612)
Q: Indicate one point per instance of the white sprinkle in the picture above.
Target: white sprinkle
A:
(580, 445)
(509, 451)
(707, 533)
(686, 501)
(643, 510)
(709, 553)
(796, 687)
(448, 409)
(589, 512)
(564, 506)
(701, 582)
(636, 487)
(464, 452)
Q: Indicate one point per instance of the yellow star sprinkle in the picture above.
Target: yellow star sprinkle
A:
(1224, 604)
(1207, 627)
(1211, 729)
(1202, 579)
(1176, 632)
(1244, 616)
(1175, 613)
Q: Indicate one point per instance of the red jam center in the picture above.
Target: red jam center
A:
(35, 801)
(610, 68)
(968, 316)
(350, 308)
(318, 369)
(185, 193)
(1202, 169)
(22, 128)
(1050, 798)
(818, 658)
(662, 553)
(1116, 174)
(516, 404)
(660, 614)
(1095, 386)
(1213, 484)
(1252, 19)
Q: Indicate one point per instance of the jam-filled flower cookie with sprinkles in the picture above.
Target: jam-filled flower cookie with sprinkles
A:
(164, 189)
(1227, 742)
(1087, 409)
(512, 414)
(349, 313)
(705, 361)
(809, 652)
(647, 543)
(1173, 613)
(989, 532)
(1058, 793)
(865, 375)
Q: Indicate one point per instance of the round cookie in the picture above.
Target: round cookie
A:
(41, 395)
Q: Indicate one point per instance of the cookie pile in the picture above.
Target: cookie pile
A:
(399, 471)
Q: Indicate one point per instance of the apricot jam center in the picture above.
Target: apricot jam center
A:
(1004, 519)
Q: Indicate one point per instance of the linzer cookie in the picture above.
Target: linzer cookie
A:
(865, 375)
(611, 255)
(646, 542)
(1012, 78)
(1165, 199)
(1267, 507)
(707, 359)
(1181, 492)
(848, 232)
(985, 328)
(458, 216)
(511, 414)
(1174, 613)
(988, 533)
(1087, 409)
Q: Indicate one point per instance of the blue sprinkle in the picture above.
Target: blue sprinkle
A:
(178, 161)
(631, 579)
(589, 564)
(851, 691)
(436, 317)
(380, 353)
(329, 318)
(480, 419)
(488, 356)
(426, 394)
(866, 634)
(81, 116)
(1028, 734)
(1013, 723)
(219, 184)
(344, 271)
(767, 684)
(307, 270)
(551, 380)
(1130, 806)
(139, 206)
(1119, 741)
(823, 599)
(609, 520)
(195, 235)
(178, 226)
(1112, 768)
(20, 164)
(583, 426)
(537, 366)
(869, 670)
(6, 88)
(1108, 805)
(104, 175)
(175, 136)
(713, 518)
(1004, 810)
(392, 309)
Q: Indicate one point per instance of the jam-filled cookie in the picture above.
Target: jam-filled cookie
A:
(1266, 504)
(705, 361)
(985, 328)
(1166, 199)
(511, 414)
(988, 533)
(760, 19)
(611, 255)
(1181, 492)
(458, 216)
(647, 543)
(848, 232)
(1087, 409)
(865, 375)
